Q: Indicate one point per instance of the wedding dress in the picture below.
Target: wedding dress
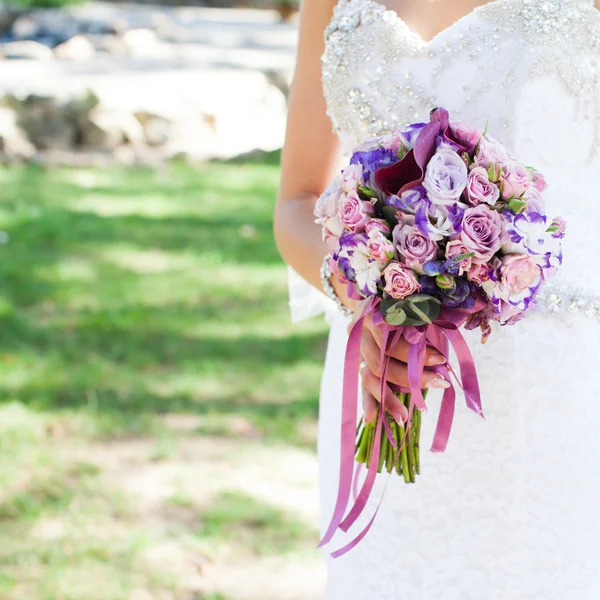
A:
(511, 510)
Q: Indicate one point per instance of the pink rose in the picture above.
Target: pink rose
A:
(332, 238)
(515, 181)
(455, 249)
(413, 247)
(479, 273)
(490, 152)
(539, 181)
(377, 225)
(480, 190)
(351, 178)
(470, 135)
(482, 232)
(354, 213)
(400, 281)
(380, 248)
(518, 273)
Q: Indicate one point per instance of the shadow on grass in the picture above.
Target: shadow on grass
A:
(128, 342)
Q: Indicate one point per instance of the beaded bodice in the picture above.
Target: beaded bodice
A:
(530, 69)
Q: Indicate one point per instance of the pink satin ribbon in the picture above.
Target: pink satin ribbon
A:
(442, 334)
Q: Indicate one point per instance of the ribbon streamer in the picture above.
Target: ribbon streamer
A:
(441, 335)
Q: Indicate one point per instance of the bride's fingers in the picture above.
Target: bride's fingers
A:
(397, 372)
(369, 405)
(400, 350)
(372, 385)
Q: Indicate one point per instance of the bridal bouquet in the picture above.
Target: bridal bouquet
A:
(434, 227)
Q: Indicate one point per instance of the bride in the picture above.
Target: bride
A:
(510, 511)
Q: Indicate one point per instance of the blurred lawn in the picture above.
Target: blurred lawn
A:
(148, 376)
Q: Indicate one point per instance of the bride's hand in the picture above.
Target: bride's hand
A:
(397, 372)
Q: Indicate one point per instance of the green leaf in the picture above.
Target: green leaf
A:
(395, 318)
(418, 312)
(389, 303)
(416, 298)
(365, 191)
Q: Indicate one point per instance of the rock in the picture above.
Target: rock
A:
(48, 123)
(26, 49)
(8, 16)
(24, 27)
(77, 48)
(106, 130)
(13, 142)
(108, 26)
(157, 130)
(142, 43)
(107, 44)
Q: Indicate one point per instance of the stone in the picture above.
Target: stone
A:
(26, 49)
(142, 43)
(24, 27)
(157, 129)
(13, 142)
(106, 130)
(78, 48)
(107, 44)
(47, 121)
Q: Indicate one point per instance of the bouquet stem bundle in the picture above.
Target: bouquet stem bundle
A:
(401, 455)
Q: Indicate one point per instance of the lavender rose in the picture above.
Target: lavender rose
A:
(354, 213)
(413, 247)
(445, 177)
(482, 232)
(400, 281)
(480, 190)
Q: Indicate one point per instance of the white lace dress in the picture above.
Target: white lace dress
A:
(511, 510)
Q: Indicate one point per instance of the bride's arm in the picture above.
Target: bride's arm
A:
(310, 152)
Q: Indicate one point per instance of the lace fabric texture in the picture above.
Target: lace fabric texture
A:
(510, 510)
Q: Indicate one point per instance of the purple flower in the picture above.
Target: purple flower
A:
(372, 160)
(529, 232)
(411, 133)
(437, 222)
(409, 201)
(482, 232)
(558, 228)
(480, 190)
(458, 296)
(356, 261)
(413, 247)
(445, 177)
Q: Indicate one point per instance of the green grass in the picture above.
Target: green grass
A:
(129, 297)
